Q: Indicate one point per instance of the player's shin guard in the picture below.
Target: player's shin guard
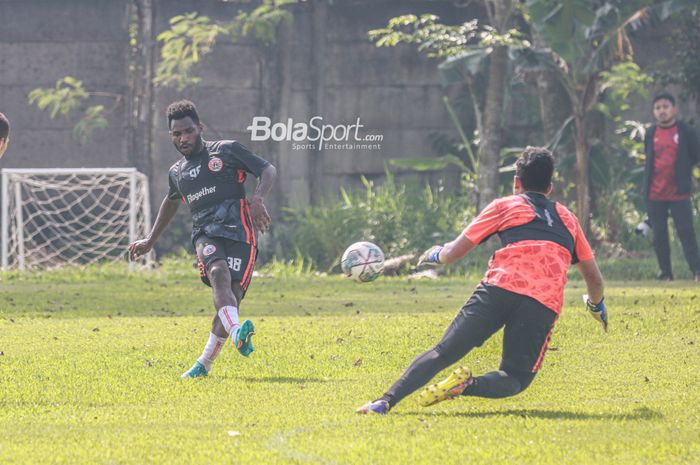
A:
(229, 318)
(211, 350)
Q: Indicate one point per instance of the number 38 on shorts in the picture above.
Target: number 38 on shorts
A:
(239, 256)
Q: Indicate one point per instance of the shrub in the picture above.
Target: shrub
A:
(400, 218)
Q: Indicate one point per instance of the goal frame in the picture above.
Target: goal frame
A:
(7, 173)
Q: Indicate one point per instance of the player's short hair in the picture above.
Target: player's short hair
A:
(664, 96)
(4, 126)
(535, 168)
(182, 109)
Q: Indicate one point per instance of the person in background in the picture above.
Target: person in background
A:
(672, 149)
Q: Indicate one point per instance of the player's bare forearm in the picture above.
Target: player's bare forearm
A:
(458, 248)
(261, 218)
(168, 209)
(267, 179)
(166, 212)
(594, 279)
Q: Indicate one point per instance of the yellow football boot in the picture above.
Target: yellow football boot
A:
(450, 387)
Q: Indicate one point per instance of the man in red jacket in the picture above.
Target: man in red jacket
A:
(672, 149)
(523, 291)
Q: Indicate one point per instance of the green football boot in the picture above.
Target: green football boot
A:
(197, 371)
(243, 340)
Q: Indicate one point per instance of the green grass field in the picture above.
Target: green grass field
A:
(90, 365)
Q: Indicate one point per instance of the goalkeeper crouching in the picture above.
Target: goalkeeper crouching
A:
(522, 291)
(209, 178)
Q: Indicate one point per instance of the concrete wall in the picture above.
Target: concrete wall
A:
(323, 65)
(42, 41)
(328, 69)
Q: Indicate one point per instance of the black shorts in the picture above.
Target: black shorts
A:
(527, 326)
(239, 256)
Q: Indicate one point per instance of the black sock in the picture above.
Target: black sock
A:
(494, 385)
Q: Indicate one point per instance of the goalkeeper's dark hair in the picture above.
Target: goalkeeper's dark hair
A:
(4, 126)
(182, 109)
(535, 168)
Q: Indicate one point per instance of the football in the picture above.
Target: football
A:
(362, 261)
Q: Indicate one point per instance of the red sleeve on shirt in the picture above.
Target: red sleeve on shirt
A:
(485, 224)
(581, 245)
(583, 248)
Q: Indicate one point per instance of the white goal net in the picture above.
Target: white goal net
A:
(55, 217)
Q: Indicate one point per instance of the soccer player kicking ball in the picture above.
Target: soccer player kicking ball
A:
(209, 179)
(523, 290)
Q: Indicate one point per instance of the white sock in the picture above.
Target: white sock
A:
(229, 318)
(234, 335)
(211, 350)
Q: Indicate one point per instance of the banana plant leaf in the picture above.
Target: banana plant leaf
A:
(468, 64)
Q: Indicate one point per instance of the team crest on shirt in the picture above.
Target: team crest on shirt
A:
(215, 164)
(209, 249)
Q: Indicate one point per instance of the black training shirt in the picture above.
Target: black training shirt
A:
(211, 184)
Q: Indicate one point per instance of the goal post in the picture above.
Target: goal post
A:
(60, 216)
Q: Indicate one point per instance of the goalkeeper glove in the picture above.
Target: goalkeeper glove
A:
(430, 257)
(597, 311)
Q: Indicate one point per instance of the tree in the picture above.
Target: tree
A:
(580, 39)
(189, 38)
(471, 54)
(685, 46)
(192, 36)
(500, 13)
(67, 96)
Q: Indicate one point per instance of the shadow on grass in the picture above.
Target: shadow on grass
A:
(641, 413)
(283, 380)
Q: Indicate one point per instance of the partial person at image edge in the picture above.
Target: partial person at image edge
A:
(4, 133)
